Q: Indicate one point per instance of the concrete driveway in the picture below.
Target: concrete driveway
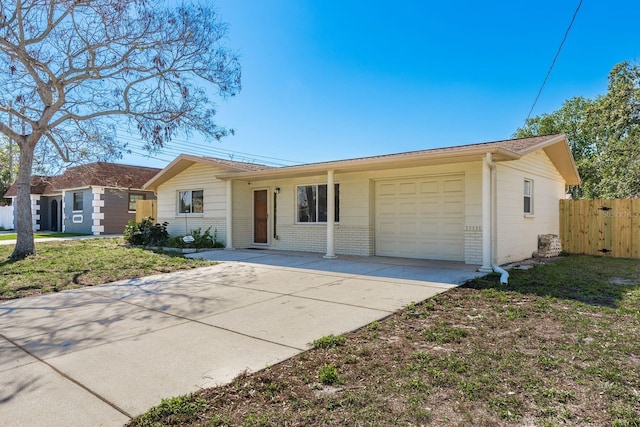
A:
(97, 356)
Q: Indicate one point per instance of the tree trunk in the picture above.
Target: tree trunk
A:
(25, 245)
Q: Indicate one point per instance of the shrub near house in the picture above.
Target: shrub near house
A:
(149, 233)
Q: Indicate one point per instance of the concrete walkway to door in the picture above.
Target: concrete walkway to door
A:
(99, 355)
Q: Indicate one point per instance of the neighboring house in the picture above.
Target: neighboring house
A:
(481, 204)
(96, 198)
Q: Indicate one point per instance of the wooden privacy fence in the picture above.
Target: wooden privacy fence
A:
(601, 227)
(145, 208)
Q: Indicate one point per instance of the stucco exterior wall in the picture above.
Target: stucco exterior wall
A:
(78, 221)
(518, 232)
(196, 177)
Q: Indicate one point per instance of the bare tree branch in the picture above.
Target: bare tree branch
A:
(74, 70)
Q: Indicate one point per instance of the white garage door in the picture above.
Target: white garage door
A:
(421, 217)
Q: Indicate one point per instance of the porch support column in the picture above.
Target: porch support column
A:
(229, 237)
(486, 217)
(331, 216)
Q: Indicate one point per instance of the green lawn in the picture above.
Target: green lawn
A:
(60, 265)
(41, 235)
(558, 346)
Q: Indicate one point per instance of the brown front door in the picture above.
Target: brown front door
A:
(260, 216)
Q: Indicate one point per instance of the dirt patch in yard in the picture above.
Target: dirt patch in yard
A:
(558, 346)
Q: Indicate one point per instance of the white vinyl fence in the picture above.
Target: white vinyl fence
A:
(6, 217)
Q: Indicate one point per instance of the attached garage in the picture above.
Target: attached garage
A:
(420, 217)
(463, 203)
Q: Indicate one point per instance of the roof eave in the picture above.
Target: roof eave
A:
(177, 165)
(568, 169)
(181, 163)
(385, 162)
(559, 151)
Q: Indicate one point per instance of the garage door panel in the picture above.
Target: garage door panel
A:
(429, 208)
(453, 186)
(408, 208)
(421, 218)
(453, 207)
(429, 187)
(448, 252)
(406, 188)
(428, 230)
(387, 228)
(387, 248)
(387, 209)
(387, 189)
(407, 228)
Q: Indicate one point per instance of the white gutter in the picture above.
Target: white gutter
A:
(504, 276)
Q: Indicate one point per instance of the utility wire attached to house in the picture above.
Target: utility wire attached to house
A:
(566, 34)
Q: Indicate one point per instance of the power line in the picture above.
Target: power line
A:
(566, 34)
(202, 150)
(138, 148)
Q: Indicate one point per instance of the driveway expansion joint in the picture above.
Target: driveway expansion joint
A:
(245, 313)
(187, 320)
(68, 378)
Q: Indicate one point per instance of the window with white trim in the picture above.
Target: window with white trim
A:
(133, 198)
(311, 202)
(190, 202)
(77, 201)
(528, 196)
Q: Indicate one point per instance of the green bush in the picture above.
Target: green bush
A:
(146, 232)
(200, 240)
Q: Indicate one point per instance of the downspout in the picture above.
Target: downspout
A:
(504, 276)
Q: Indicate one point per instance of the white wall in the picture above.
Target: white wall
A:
(517, 232)
(354, 233)
(196, 177)
(6, 217)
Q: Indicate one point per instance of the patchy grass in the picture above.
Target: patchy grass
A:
(329, 341)
(77, 263)
(560, 345)
(40, 235)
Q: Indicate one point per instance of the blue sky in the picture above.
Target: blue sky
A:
(326, 80)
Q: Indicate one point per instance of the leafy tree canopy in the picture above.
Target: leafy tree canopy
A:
(604, 134)
(73, 71)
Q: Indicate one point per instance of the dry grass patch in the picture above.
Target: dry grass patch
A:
(76, 263)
